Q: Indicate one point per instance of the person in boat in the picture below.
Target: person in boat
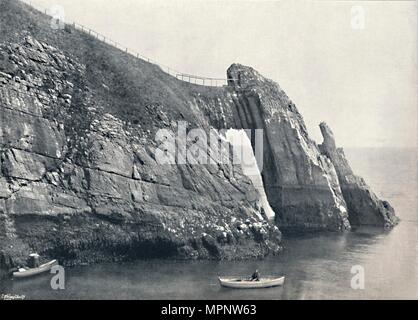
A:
(255, 276)
(34, 260)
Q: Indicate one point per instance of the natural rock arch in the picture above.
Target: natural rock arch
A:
(301, 184)
(308, 186)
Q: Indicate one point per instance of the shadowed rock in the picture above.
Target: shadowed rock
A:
(300, 183)
(364, 207)
(81, 184)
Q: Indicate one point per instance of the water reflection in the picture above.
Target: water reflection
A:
(316, 267)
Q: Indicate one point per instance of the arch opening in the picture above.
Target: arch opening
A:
(242, 148)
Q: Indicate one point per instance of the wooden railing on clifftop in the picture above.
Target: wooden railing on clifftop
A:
(194, 79)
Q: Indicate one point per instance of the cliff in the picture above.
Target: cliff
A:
(79, 183)
(80, 178)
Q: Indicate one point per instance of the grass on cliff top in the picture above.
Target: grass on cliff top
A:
(133, 84)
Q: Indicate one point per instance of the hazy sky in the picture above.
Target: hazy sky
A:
(362, 82)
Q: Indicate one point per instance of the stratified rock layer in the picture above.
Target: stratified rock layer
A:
(301, 184)
(364, 207)
(80, 184)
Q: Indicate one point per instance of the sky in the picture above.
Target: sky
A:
(352, 64)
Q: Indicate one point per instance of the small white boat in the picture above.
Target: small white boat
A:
(245, 283)
(28, 272)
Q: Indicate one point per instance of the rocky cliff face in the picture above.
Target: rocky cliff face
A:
(80, 184)
(363, 205)
(301, 184)
(79, 177)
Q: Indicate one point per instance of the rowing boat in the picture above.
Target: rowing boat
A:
(28, 272)
(245, 283)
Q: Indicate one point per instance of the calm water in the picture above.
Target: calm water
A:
(316, 267)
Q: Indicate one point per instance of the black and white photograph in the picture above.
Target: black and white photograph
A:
(208, 150)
